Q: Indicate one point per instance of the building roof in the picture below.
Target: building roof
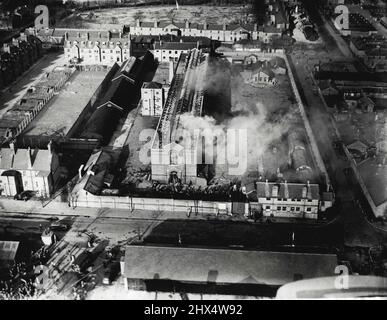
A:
(359, 146)
(8, 250)
(175, 45)
(99, 163)
(224, 266)
(288, 190)
(152, 85)
(19, 160)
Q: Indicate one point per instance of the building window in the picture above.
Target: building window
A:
(292, 209)
(267, 207)
(309, 209)
(283, 208)
(278, 208)
(309, 200)
(267, 198)
(298, 208)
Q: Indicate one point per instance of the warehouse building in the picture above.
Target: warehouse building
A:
(219, 271)
(169, 158)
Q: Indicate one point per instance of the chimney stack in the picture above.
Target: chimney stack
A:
(155, 23)
(12, 147)
(137, 23)
(255, 27)
(29, 158)
(6, 48)
(224, 26)
(267, 189)
(205, 26)
(186, 24)
(49, 146)
(286, 191)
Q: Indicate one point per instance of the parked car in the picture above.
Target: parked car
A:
(24, 195)
(58, 226)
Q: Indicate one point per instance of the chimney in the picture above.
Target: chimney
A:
(255, 27)
(286, 191)
(205, 26)
(138, 23)
(120, 34)
(181, 40)
(309, 191)
(304, 192)
(49, 146)
(6, 48)
(29, 159)
(12, 147)
(224, 26)
(328, 187)
(197, 44)
(274, 192)
(186, 24)
(80, 171)
(267, 189)
(155, 23)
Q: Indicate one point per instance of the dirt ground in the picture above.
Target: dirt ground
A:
(116, 17)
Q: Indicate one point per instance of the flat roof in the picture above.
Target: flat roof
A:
(224, 266)
(162, 73)
(61, 112)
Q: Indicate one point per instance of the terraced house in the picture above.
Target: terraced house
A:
(96, 47)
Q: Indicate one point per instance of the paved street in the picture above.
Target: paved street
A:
(358, 231)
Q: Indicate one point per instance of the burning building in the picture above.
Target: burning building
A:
(175, 155)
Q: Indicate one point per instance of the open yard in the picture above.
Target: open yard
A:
(112, 18)
(59, 115)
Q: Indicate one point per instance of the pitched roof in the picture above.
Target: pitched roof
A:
(358, 145)
(41, 159)
(175, 45)
(224, 266)
(288, 190)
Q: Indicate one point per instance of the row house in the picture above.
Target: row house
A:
(372, 51)
(18, 56)
(167, 51)
(16, 119)
(292, 200)
(223, 32)
(28, 170)
(97, 47)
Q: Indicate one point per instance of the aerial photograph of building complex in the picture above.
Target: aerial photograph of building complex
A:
(193, 150)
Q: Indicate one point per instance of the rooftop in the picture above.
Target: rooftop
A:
(286, 190)
(63, 109)
(224, 266)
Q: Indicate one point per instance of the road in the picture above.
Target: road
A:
(358, 231)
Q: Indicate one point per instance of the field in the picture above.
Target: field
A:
(113, 18)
